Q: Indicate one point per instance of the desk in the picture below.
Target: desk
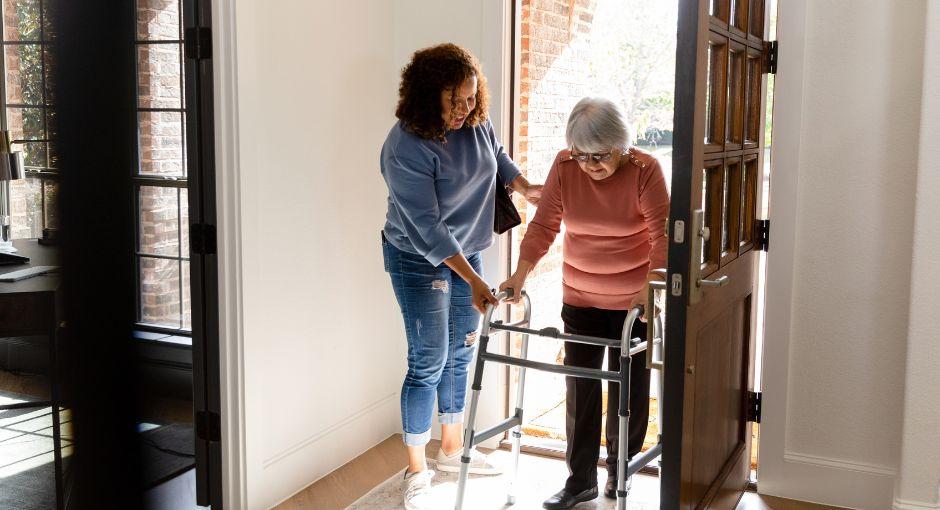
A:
(33, 307)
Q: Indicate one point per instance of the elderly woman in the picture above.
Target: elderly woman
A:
(612, 199)
(441, 162)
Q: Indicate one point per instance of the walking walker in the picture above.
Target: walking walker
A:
(629, 346)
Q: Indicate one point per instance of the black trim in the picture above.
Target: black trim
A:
(204, 279)
(208, 426)
(202, 239)
(198, 43)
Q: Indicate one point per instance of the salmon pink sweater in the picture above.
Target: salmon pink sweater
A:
(614, 228)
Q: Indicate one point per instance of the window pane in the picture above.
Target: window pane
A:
(26, 208)
(158, 20)
(21, 20)
(159, 221)
(35, 154)
(706, 207)
(161, 143)
(26, 123)
(52, 149)
(23, 73)
(158, 76)
(187, 300)
(51, 193)
(160, 292)
(48, 69)
(725, 210)
(736, 95)
(184, 222)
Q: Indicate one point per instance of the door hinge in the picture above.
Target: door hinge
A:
(753, 406)
(770, 57)
(761, 235)
(208, 426)
(198, 43)
(202, 239)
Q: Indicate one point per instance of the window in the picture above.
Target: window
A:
(161, 175)
(27, 113)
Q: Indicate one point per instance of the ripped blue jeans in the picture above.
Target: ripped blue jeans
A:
(441, 327)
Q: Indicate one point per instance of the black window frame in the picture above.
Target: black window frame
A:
(178, 182)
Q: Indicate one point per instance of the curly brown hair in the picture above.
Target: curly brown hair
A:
(430, 72)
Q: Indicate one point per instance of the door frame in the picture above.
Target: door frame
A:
(229, 240)
(775, 472)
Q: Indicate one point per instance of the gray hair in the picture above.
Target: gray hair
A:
(597, 124)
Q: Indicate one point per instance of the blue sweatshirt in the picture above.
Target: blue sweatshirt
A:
(441, 195)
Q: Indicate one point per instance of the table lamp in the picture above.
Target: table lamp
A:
(11, 167)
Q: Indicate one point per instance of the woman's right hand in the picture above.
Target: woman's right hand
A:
(515, 282)
(482, 295)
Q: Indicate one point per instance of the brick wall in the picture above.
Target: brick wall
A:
(554, 76)
(164, 284)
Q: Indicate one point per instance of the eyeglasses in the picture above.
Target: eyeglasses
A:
(600, 157)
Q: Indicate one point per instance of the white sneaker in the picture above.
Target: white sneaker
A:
(478, 463)
(418, 494)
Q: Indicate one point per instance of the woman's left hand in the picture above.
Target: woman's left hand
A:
(533, 193)
(641, 299)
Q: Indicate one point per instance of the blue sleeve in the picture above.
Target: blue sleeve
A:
(507, 170)
(411, 188)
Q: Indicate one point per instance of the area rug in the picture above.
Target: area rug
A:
(539, 478)
(167, 451)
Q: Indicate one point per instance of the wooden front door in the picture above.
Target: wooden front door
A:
(715, 239)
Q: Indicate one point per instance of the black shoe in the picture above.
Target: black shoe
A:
(610, 490)
(566, 499)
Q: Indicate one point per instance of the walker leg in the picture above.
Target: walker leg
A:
(471, 419)
(517, 430)
(467, 447)
(624, 422)
(660, 376)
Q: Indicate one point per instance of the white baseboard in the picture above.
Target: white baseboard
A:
(317, 436)
(831, 481)
(848, 465)
(902, 504)
(302, 464)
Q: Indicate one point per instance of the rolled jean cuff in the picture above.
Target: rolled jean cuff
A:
(417, 439)
(450, 418)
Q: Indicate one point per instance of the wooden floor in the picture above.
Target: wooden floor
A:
(338, 489)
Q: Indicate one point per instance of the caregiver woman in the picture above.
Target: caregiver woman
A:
(440, 162)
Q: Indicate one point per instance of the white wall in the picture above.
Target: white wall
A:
(846, 132)
(313, 344)
(482, 28)
(918, 486)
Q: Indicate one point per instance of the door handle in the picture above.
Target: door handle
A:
(651, 319)
(720, 282)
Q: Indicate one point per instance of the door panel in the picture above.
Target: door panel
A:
(717, 156)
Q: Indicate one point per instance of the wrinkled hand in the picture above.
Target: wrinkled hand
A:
(641, 299)
(516, 283)
(533, 193)
(482, 295)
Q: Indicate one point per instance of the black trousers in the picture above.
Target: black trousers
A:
(584, 400)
